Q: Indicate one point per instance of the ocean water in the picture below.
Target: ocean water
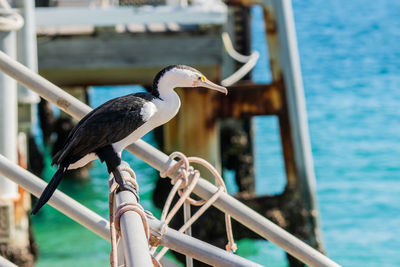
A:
(350, 59)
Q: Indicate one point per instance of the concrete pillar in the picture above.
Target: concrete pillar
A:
(14, 201)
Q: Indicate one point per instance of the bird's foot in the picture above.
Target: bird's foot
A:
(123, 185)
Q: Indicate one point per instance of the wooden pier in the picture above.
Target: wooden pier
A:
(127, 45)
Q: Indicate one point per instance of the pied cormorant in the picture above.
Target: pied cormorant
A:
(108, 129)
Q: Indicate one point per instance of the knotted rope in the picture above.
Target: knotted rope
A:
(129, 176)
(184, 183)
(10, 20)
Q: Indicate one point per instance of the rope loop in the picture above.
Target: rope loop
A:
(10, 20)
(182, 167)
(131, 206)
(184, 180)
(195, 175)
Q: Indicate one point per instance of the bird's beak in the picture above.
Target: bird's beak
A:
(208, 84)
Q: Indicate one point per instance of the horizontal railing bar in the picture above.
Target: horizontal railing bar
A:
(161, 162)
(6, 263)
(238, 210)
(171, 238)
(59, 200)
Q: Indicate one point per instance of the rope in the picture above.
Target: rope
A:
(115, 229)
(131, 206)
(9, 19)
(184, 184)
(249, 61)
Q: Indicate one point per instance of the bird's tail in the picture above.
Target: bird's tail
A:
(50, 188)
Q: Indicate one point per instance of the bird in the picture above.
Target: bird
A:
(108, 129)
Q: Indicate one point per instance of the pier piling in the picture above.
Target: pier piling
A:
(14, 225)
(8, 115)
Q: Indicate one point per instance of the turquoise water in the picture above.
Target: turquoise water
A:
(351, 65)
(350, 59)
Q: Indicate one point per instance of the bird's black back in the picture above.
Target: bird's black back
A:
(106, 124)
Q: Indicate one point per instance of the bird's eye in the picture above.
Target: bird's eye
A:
(202, 78)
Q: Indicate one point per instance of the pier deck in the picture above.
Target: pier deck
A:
(127, 45)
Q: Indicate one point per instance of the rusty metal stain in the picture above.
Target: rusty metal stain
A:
(272, 41)
(276, 99)
(247, 100)
(62, 103)
(287, 145)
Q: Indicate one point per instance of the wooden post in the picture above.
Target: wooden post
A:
(195, 130)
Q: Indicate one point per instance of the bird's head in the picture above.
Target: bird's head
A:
(182, 76)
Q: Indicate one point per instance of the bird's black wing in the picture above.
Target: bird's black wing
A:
(107, 124)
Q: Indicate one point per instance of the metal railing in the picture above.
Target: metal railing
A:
(171, 238)
(133, 229)
(161, 162)
(6, 263)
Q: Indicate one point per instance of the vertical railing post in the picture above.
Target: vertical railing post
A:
(27, 47)
(8, 115)
(8, 140)
(133, 236)
(136, 247)
(14, 201)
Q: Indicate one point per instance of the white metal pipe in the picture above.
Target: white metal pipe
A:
(43, 87)
(27, 50)
(161, 162)
(29, 31)
(8, 115)
(100, 226)
(238, 210)
(136, 246)
(6, 263)
(59, 200)
(187, 214)
(209, 254)
(265, 228)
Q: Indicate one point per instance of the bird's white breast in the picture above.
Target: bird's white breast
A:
(166, 107)
(148, 110)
